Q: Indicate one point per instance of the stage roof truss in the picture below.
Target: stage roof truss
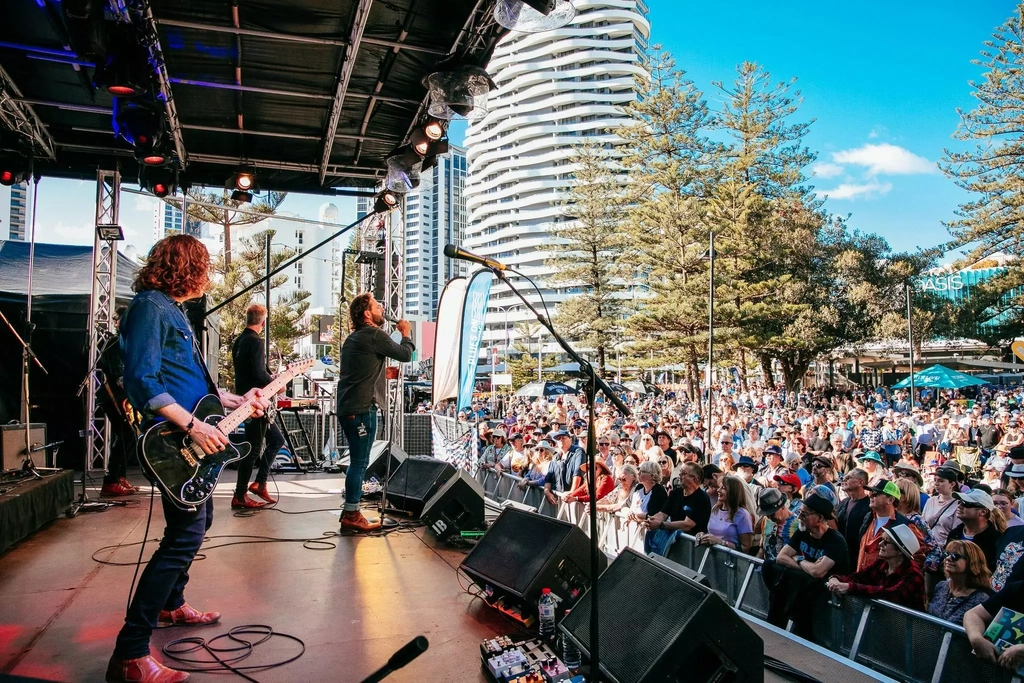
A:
(313, 94)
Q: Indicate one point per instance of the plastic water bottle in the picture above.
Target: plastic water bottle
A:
(546, 614)
(570, 653)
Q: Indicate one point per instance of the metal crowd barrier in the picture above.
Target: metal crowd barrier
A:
(896, 641)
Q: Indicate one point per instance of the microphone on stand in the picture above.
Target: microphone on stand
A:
(452, 251)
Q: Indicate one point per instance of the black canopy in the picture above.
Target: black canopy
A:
(61, 278)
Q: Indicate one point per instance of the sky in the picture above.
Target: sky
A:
(882, 82)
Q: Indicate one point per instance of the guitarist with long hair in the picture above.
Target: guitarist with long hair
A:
(164, 378)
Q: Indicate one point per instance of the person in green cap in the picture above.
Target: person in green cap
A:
(884, 495)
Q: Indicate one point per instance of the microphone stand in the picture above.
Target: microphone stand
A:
(594, 382)
(26, 354)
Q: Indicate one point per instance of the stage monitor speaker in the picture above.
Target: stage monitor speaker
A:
(415, 482)
(13, 444)
(678, 629)
(457, 506)
(696, 577)
(523, 553)
(377, 469)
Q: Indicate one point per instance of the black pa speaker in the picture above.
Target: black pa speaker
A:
(523, 553)
(415, 482)
(678, 629)
(457, 506)
(379, 452)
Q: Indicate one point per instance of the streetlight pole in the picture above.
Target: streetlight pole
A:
(910, 337)
(711, 338)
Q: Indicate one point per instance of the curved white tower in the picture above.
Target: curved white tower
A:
(555, 89)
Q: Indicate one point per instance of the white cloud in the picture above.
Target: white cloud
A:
(885, 159)
(873, 134)
(854, 190)
(827, 170)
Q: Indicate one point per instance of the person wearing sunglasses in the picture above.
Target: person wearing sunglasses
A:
(980, 522)
(968, 582)
(894, 576)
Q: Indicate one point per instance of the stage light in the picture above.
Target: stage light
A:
(243, 186)
(434, 129)
(141, 123)
(110, 233)
(385, 201)
(162, 181)
(14, 168)
(124, 70)
(534, 16)
(458, 91)
(403, 172)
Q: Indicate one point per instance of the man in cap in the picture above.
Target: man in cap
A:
(895, 576)
(796, 581)
(515, 459)
(688, 508)
(744, 469)
(977, 524)
(905, 469)
(564, 474)
(883, 498)
(822, 469)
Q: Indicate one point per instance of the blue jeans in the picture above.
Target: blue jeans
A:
(162, 584)
(359, 445)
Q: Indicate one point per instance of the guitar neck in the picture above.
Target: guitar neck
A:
(245, 411)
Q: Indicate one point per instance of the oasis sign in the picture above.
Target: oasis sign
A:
(943, 283)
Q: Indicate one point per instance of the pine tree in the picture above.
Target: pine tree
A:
(587, 247)
(994, 172)
(220, 209)
(285, 325)
(672, 165)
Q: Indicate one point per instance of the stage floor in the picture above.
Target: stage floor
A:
(353, 605)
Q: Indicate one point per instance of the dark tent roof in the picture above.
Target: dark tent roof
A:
(313, 94)
(61, 274)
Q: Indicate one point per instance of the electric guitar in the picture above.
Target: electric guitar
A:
(179, 467)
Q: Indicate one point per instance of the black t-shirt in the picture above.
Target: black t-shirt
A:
(671, 453)
(849, 519)
(831, 545)
(1011, 597)
(696, 506)
(987, 540)
(819, 444)
(656, 503)
(249, 357)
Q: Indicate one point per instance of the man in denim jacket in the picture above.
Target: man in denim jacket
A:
(165, 378)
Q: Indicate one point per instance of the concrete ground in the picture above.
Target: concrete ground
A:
(353, 605)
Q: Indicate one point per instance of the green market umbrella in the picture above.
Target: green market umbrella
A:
(941, 377)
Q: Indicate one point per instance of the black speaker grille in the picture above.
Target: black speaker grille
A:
(643, 609)
(516, 535)
(416, 478)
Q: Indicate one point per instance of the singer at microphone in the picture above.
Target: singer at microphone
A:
(452, 251)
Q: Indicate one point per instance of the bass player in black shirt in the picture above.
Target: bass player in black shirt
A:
(250, 360)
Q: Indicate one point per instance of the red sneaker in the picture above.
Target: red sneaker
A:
(245, 503)
(355, 521)
(261, 491)
(115, 490)
(128, 485)
(187, 616)
(142, 670)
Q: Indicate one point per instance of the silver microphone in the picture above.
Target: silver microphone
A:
(389, 317)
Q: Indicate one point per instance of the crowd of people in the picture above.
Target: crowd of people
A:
(862, 493)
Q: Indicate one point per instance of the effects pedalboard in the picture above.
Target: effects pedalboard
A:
(524, 661)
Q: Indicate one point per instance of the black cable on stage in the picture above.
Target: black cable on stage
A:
(178, 649)
(142, 549)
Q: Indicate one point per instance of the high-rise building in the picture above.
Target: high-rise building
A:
(555, 90)
(435, 215)
(169, 220)
(13, 206)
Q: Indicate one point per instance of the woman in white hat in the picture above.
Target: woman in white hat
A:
(894, 577)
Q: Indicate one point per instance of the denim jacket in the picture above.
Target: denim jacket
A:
(161, 363)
